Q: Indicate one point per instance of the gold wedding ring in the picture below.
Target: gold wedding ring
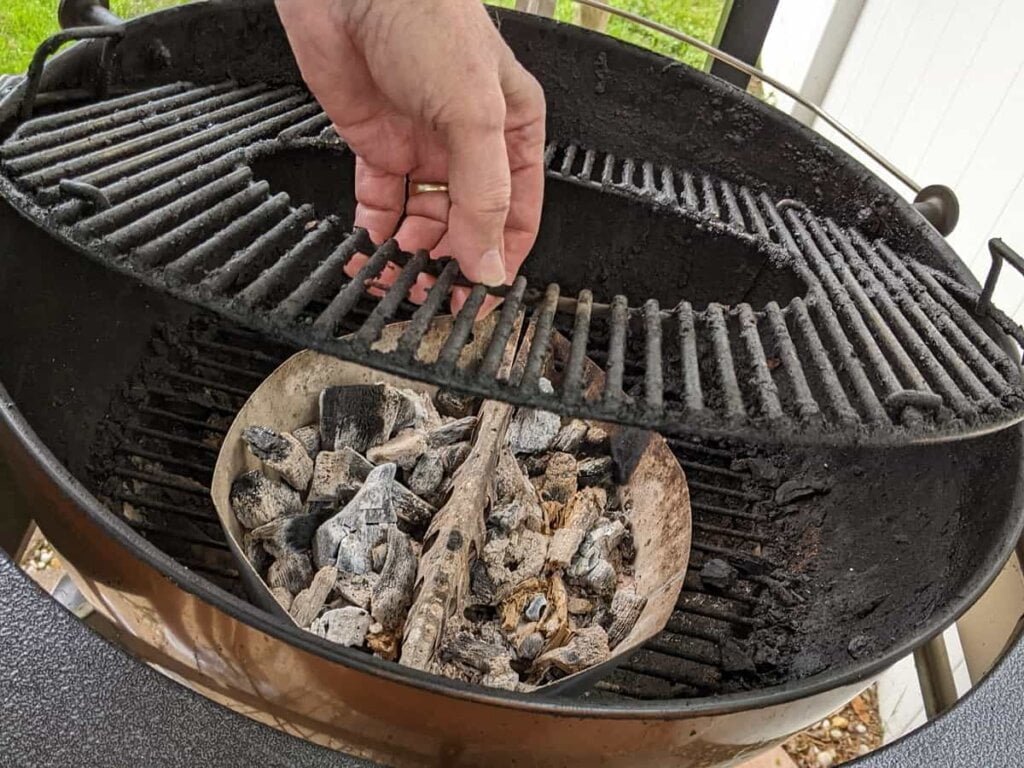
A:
(419, 187)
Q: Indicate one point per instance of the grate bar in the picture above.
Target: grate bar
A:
(409, 343)
(654, 385)
(346, 299)
(723, 361)
(693, 395)
(187, 267)
(85, 115)
(616, 351)
(731, 205)
(96, 166)
(510, 313)
(711, 207)
(60, 146)
(330, 272)
(386, 307)
(461, 329)
(572, 387)
(156, 222)
(540, 344)
(767, 392)
(120, 214)
(289, 266)
(805, 404)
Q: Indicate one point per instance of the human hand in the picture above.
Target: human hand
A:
(427, 90)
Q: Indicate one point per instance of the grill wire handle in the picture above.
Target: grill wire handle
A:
(1000, 252)
(937, 203)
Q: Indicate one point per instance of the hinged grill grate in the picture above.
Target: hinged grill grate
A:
(878, 348)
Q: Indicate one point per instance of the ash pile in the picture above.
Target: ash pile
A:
(474, 540)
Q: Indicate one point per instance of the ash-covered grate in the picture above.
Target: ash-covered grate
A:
(875, 348)
(154, 455)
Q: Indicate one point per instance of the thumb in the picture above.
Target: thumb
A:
(479, 185)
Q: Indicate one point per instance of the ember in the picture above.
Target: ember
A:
(362, 525)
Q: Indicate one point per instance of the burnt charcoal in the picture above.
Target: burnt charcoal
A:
(256, 553)
(767, 657)
(256, 499)
(580, 515)
(309, 437)
(291, 572)
(485, 660)
(592, 566)
(736, 658)
(594, 470)
(392, 595)
(625, 609)
(348, 538)
(511, 484)
(346, 626)
(531, 430)
(570, 436)
(793, 490)
(360, 416)
(560, 480)
(404, 449)
(426, 416)
(587, 648)
(514, 559)
(530, 646)
(580, 606)
(533, 466)
(597, 438)
(481, 585)
(410, 509)
(458, 431)
(308, 603)
(718, 574)
(426, 477)
(535, 608)
(356, 589)
(282, 453)
(291, 534)
(508, 516)
(338, 474)
(454, 404)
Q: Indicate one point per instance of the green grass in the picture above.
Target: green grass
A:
(25, 23)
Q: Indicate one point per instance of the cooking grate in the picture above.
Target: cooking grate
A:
(160, 184)
(155, 453)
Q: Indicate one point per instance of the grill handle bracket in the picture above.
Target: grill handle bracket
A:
(1000, 252)
(49, 46)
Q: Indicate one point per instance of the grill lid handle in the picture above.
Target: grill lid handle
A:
(939, 206)
(85, 13)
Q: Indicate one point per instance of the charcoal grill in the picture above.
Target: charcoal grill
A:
(835, 324)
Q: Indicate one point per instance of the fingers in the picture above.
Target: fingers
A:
(380, 199)
(524, 138)
(479, 184)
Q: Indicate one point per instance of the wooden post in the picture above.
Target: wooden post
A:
(539, 7)
(591, 18)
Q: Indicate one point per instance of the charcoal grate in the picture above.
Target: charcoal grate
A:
(878, 349)
(155, 452)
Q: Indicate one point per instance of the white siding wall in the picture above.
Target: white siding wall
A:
(937, 86)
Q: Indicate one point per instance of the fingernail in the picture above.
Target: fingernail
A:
(492, 268)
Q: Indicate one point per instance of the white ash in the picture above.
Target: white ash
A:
(349, 537)
(555, 567)
(533, 431)
(346, 626)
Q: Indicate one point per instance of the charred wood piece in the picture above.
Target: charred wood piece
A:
(256, 499)
(580, 514)
(360, 416)
(291, 534)
(309, 436)
(308, 603)
(348, 538)
(291, 573)
(282, 453)
(392, 595)
(587, 648)
(347, 626)
(625, 609)
(560, 480)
